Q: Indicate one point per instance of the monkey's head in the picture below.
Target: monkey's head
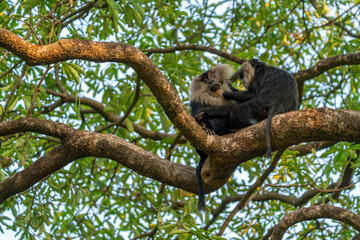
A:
(211, 84)
(217, 78)
(248, 70)
(209, 78)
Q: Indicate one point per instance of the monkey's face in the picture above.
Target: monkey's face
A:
(247, 73)
(209, 78)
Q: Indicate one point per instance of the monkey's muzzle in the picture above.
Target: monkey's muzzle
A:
(214, 87)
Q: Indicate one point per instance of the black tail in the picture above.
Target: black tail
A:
(267, 135)
(201, 203)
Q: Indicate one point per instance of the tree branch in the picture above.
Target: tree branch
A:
(67, 49)
(196, 48)
(54, 160)
(308, 148)
(286, 130)
(250, 192)
(315, 212)
(326, 64)
(248, 143)
(79, 143)
(99, 108)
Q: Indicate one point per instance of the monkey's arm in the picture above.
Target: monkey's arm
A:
(237, 116)
(239, 96)
(196, 108)
(214, 112)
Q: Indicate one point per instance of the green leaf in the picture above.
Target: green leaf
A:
(159, 218)
(178, 232)
(71, 72)
(13, 104)
(5, 88)
(112, 8)
(129, 125)
(137, 16)
(164, 121)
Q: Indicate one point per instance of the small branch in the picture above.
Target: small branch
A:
(148, 234)
(14, 88)
(57, 80)
(245, 200)
(99, 108)
(10, 69)
(196, 48)
(315, 212)
(37, 89)
(168, 155)
(127, 113)
(308, 148)
(31, 29)
(332, 190)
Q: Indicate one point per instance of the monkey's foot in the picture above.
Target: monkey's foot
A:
(234, 130)
(208, 130)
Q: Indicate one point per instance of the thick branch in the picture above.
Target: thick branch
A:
(227, 152)
(326, 64)
(118, 52)
(315, 212)
(84, 144)
(54, 160)
(67, 49)
(286, 130)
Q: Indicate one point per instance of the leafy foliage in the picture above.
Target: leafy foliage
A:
(94, 198)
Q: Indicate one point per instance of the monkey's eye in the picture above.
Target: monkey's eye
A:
(204, 79)
(212, 74)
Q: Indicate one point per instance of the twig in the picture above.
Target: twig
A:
(16, 86)
(249, 194)
(37, 89)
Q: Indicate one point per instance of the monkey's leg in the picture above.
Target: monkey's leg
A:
(245, 114)
(216, 112)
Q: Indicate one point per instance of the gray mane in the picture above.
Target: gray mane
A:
(199, 91)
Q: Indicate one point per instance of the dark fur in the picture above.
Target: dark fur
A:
(270, 91)
(207, 90)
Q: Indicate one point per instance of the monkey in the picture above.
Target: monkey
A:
(207, 90)
(269, 91)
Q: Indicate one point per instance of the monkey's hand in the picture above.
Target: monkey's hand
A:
(200, 117)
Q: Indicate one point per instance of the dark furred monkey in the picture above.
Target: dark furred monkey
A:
(270, 91)
(207, 90)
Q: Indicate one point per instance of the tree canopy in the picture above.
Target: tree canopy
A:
(97, 141)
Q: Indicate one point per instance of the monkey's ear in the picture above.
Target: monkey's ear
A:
(256, 63)
(204, 75)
